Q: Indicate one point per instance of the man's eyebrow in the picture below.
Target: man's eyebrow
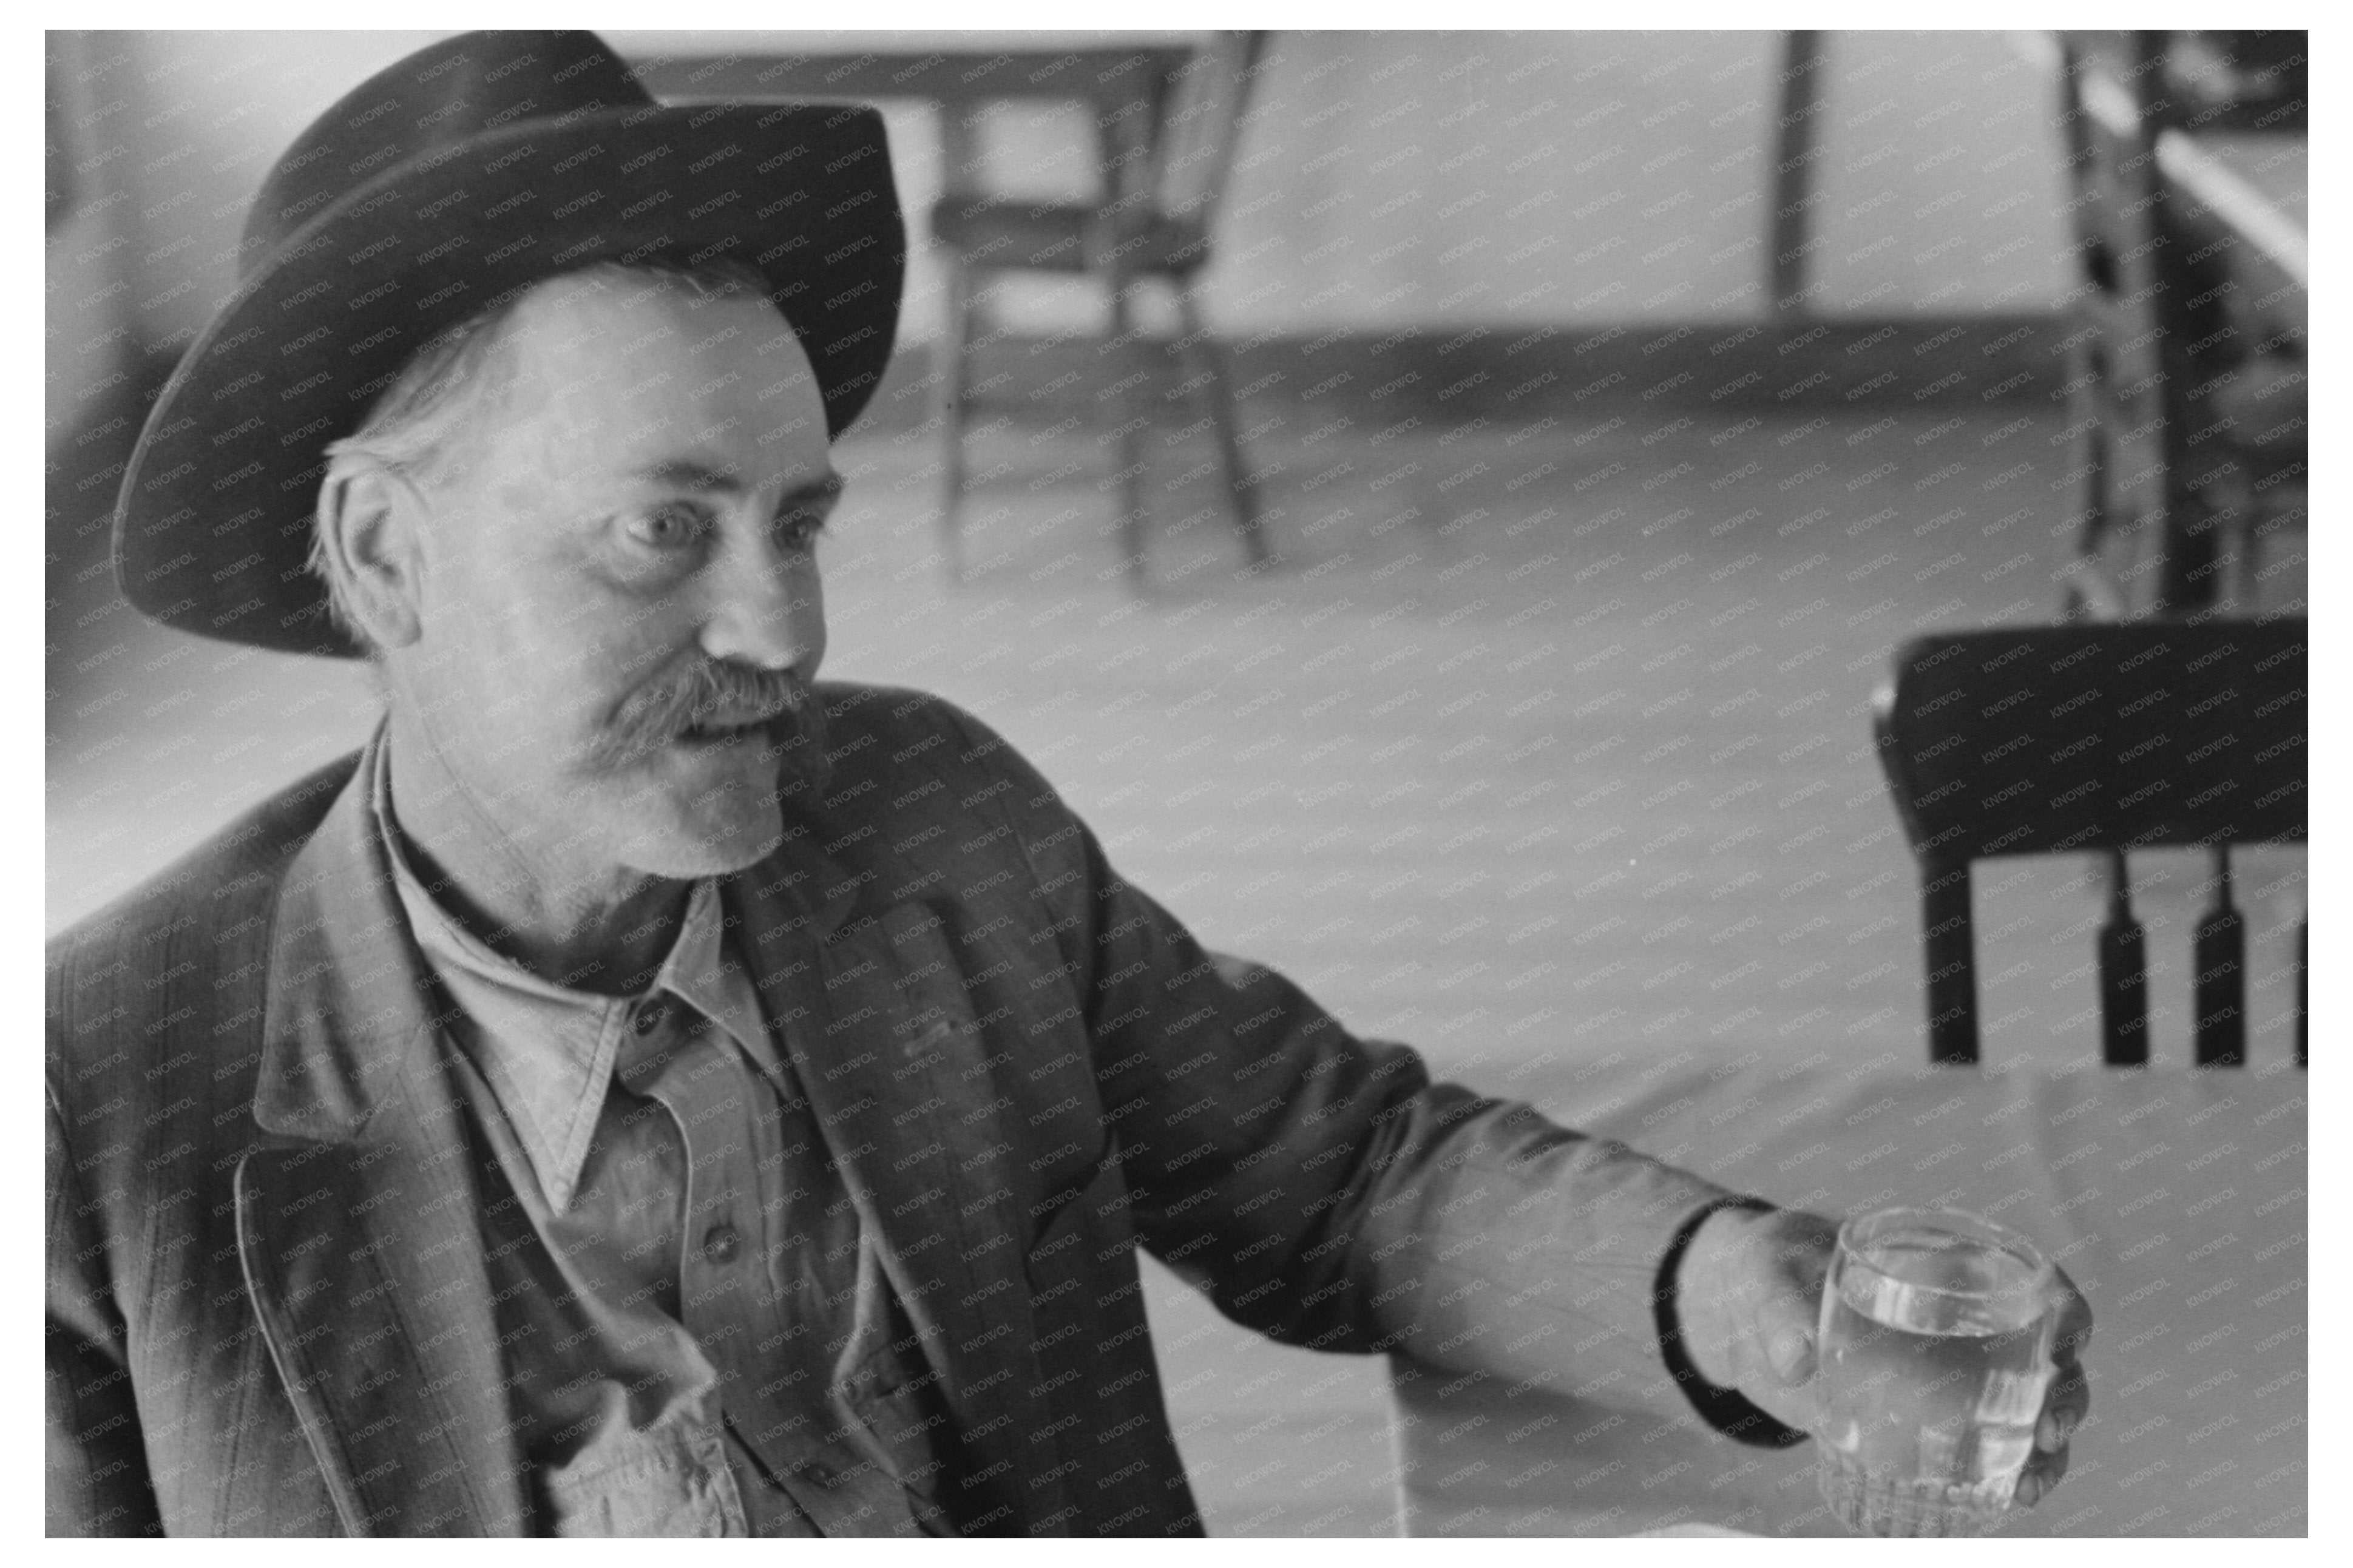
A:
(827, 490)
(686, 473)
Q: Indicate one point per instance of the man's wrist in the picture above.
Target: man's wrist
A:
(1724, 1408)
(1702, 1339)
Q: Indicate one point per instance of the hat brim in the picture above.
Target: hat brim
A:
(212, 525)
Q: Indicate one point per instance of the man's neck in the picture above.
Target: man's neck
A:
(590, 928)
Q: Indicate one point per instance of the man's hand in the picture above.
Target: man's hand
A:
(1750, 1293)
(1750, 1296)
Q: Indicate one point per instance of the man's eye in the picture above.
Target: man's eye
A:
(669, 525)
(800, 530)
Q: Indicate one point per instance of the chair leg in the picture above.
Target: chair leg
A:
(950, 384)
(1133, 425)
(1952, 972)
(2303, 928)
(1226, 416)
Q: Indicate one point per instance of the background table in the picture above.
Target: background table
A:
(1122, 85)
(2175, 1199)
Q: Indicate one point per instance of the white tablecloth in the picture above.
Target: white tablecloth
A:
(2175, 1199)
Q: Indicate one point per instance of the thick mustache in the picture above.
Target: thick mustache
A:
(733, 695)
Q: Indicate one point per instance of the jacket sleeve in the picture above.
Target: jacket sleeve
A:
(97, 1481)
(1322, 1189)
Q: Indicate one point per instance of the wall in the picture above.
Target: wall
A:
(197, 118)
(87, 338)
(1942, 192)
(1468, 180)
(1545, 179)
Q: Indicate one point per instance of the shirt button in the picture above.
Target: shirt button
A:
(821, 1472)
(649, 1017)
(720, 1244)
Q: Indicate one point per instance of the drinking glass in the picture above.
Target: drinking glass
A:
(1935, 1355)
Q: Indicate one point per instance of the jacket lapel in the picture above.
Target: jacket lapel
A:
(355, 1221)
(878, 1021)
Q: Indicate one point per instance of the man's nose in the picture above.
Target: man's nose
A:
(767, 608)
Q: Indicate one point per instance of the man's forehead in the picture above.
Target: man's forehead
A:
(648, 373)
(605, 318)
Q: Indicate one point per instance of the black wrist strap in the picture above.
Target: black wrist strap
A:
(1725, 1409)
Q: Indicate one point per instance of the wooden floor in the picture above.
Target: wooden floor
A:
(1543, 741)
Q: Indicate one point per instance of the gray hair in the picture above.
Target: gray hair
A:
(429, 424)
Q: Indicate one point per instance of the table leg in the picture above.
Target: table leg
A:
(951, 390)
(1802, 58)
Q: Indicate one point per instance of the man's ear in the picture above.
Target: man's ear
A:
(370, 529)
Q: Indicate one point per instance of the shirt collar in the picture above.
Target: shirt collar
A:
(549, 1051)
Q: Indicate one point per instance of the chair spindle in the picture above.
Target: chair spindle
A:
(2124, 975)
(2220, 950)
(2094, 741)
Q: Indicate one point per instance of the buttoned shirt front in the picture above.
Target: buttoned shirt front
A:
(699, 1340)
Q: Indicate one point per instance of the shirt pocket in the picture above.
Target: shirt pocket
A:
(668, 1480)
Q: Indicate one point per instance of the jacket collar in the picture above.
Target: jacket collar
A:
(345, 1021)
(383, 1333)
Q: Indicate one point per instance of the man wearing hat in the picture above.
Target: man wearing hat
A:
(646, 1092)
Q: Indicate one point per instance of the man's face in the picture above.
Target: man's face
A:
(640, 520)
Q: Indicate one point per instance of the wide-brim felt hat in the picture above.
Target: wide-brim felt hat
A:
(452, 181)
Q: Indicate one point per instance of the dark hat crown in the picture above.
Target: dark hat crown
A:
(433, 100)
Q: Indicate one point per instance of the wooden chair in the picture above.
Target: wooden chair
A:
(2188, 456)
(2054, 740)
(1157, 224)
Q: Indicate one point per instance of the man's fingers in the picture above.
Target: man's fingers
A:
(2042, 1472)
(2071, 1397)
(1803, 1244)
(1791, 1350)
(2064, 1409)
(1786, 1325)
(2074, 1328)
(2053, 1429)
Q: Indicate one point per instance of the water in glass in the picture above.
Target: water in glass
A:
(1935, 1357)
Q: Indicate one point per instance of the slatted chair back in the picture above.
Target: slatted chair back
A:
(2095, 738)
(1195, 151)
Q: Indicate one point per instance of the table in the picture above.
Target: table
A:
(1125, 85)
(2175, 1199)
